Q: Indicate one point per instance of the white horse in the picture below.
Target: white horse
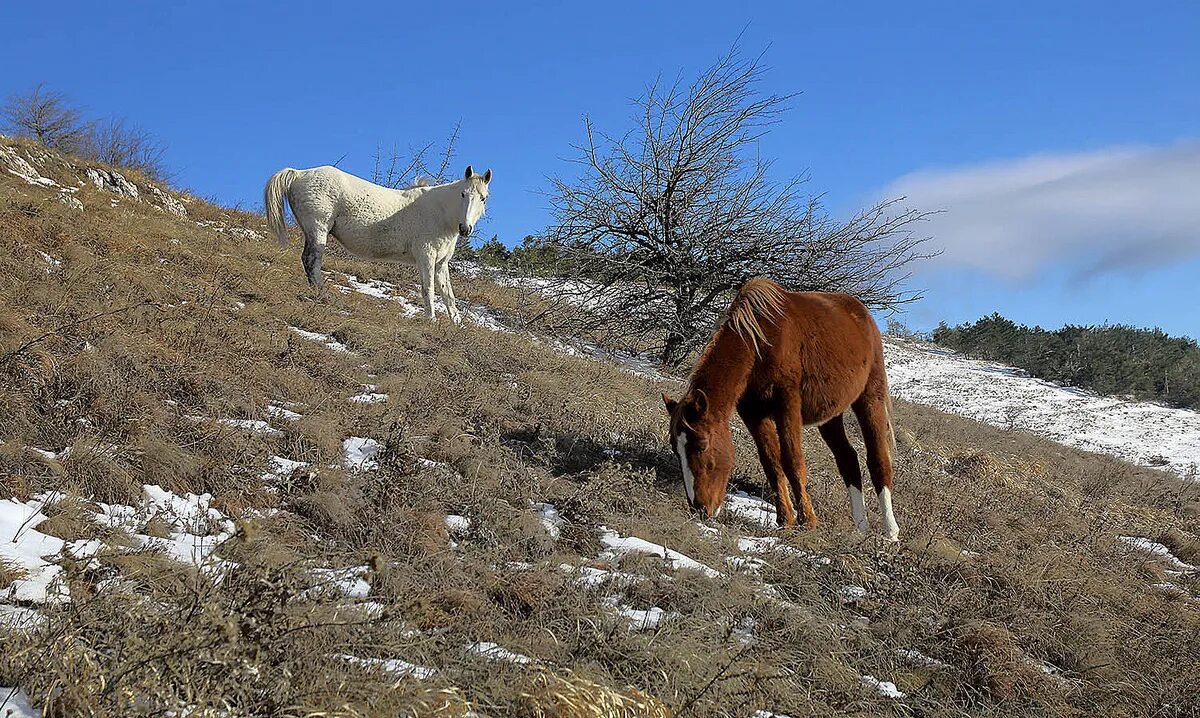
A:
(419, 225)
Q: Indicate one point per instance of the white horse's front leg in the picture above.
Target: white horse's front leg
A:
(425, 266)
(446, 291)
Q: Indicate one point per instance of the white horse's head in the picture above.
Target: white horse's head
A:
(474, 200)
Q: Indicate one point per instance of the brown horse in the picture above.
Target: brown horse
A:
(783, 360)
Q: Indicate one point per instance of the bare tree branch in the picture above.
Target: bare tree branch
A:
(47, 117)
(403, 170)
(119, 143)
(664, 222)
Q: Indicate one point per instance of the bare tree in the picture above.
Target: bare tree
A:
(119, 143)
(667, 220)
(50, 118)
(47, 117)
(419, 164)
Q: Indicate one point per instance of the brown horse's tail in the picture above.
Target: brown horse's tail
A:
(758, 298)
(274, 195)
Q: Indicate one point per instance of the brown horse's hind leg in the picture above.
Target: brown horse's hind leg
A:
(834, 434)
(766, 438)
(872, 412)
(789, 417)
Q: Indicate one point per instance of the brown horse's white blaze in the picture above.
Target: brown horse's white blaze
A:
(783, 360)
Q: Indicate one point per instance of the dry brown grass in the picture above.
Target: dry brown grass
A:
(512, 421)
(10, 571)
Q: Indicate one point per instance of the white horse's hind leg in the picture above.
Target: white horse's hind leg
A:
(316, 235)
(446, 291)
(426, 268)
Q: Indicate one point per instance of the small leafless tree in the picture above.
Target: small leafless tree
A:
(47, 117)
(50, 118)
(420, 163)
(119, 143)
(667, 220)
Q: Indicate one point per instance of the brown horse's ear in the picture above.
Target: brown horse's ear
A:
(487, 176)
(469, 173)
(694, 406)
(671, 403)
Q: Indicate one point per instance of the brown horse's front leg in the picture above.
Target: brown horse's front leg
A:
(790, 420)
(766, 438)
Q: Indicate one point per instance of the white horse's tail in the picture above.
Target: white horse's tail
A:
(274, 196)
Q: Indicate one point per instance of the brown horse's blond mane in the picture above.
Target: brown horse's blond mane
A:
(759, 298)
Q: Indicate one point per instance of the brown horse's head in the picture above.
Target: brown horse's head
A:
(705, 450)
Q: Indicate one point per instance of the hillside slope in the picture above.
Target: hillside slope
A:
(1140, 432)
(220, 495)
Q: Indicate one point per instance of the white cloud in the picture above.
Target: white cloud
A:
(1115, 209)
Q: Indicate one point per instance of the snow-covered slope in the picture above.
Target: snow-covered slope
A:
(1139, 432)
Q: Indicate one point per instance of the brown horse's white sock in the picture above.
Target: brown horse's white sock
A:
(858, 510)
(890, 530)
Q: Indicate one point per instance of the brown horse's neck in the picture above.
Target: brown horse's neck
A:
(723, 372)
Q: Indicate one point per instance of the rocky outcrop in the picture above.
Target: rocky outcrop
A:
(112, 181)
(39, 166)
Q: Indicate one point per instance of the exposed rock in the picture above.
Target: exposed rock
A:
(19, 166)
(31, 163)
(166, 202)
(112, 181)
(70, 200)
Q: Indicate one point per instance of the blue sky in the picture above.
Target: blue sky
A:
(1060, 138)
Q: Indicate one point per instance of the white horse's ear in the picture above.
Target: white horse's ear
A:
(487, 176)
(469, 173)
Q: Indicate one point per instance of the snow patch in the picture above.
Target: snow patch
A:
(20, 618)
(325, 339)
(618, 545)
(916, 657)
(369, 397)
(852, 594)
(457, 525)
(551, 520)
(639, 620)
(884, 688)
(773, 544)
(281, 468)
(496, 652)
(592, 578)
(277, 410)
(31, 552)
(1158, 551)
(359, 453)
(751, 509)
(394, 666)
(195, 530)
(256, 426)
(14, 703)
(349, 581)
